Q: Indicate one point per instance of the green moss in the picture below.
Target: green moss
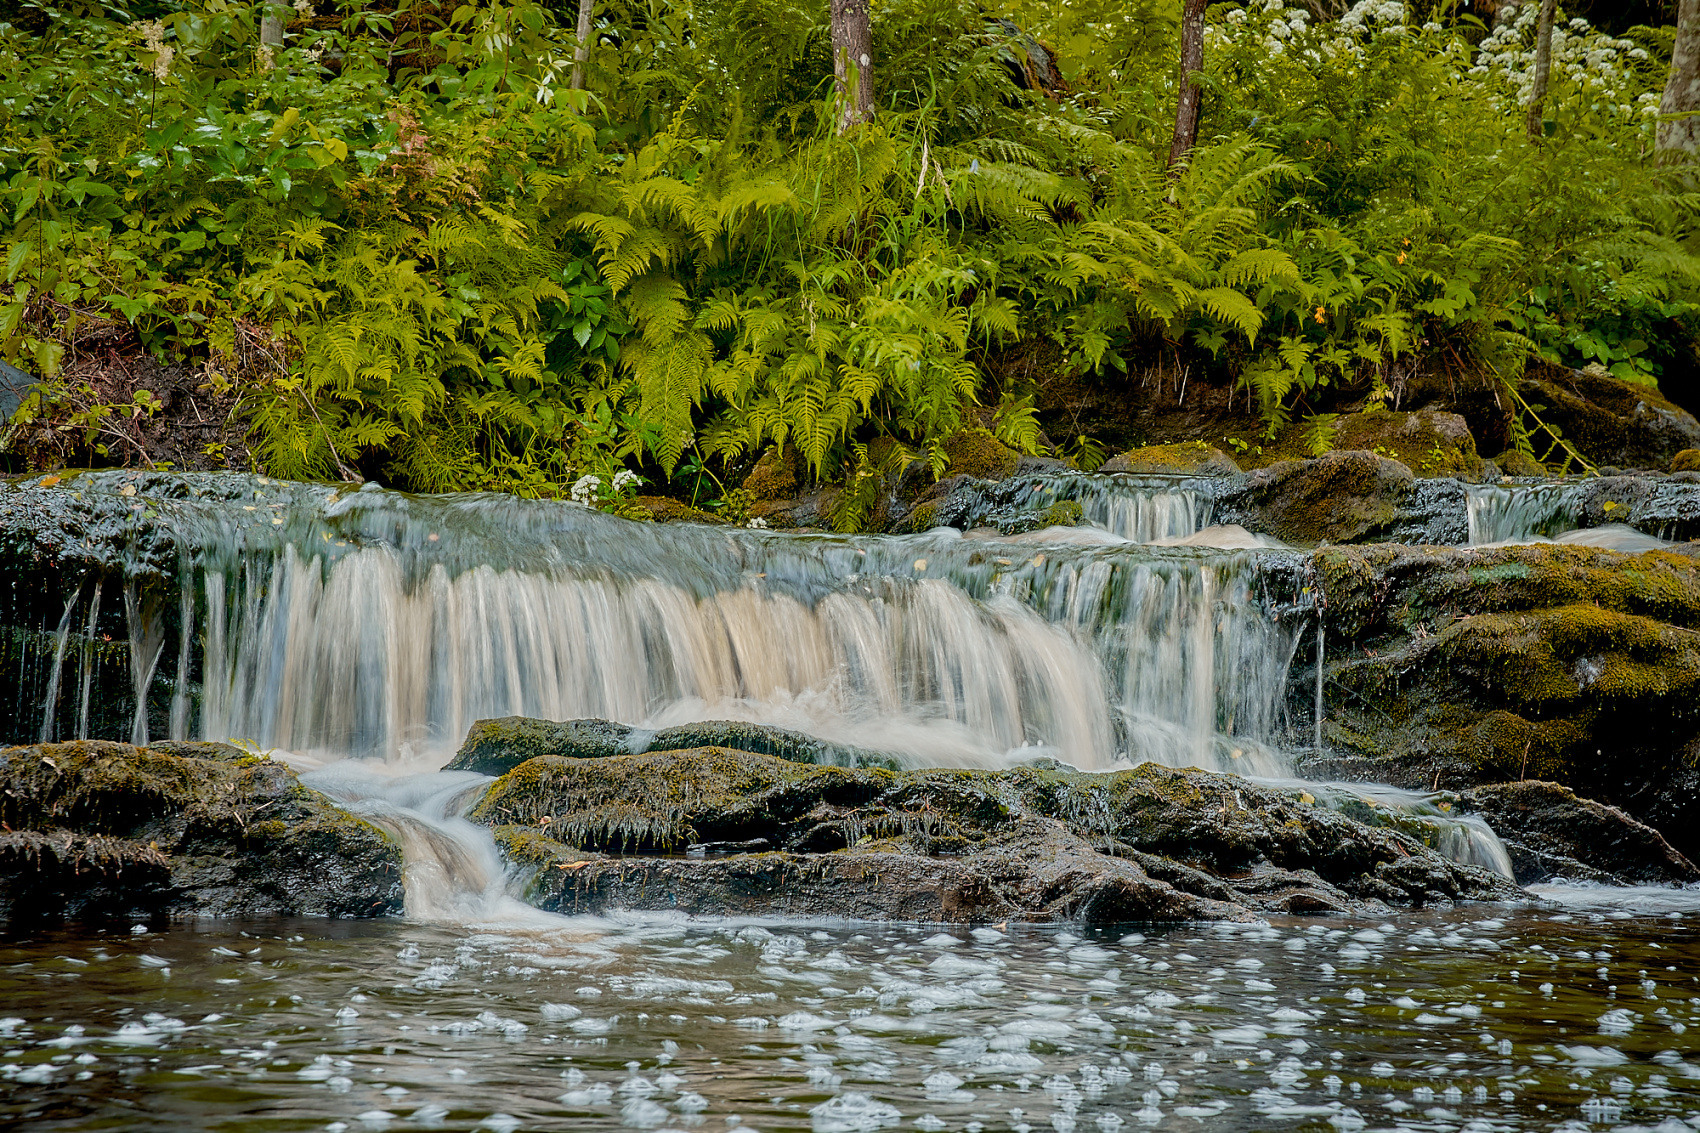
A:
(978, 454)
(778, 475)
(1189, 458)
(1063, 513)
(1688, 460)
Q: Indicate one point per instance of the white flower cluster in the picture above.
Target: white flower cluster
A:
(624, 477)
(153, 39)
(304, 8)
(757, 523)
(1594, 61)
(1278, 28)
(584, 488)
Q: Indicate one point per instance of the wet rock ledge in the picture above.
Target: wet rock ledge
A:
(97, 830)
(716, 831)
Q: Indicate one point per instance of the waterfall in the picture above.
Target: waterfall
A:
(1090, 656)
(368, 623)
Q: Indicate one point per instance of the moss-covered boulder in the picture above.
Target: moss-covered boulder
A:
(764, 835)
(1189, 458)
(976, 453)
(1550, 832)
(100, 830)
(778, 475)
(1456, 668)
(1429, 442)
(1612, 422)
(1511, 462)
(1688, 460)
(495, 747)
(1343, 497)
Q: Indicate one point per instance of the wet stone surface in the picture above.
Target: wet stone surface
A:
(1483, 1019)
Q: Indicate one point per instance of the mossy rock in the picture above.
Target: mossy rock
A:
(495, 747)
(1343, 497)
(1514, 463)
(778, 475)
(1688, 460)
(1189, 458)
(106, 830)
(661, 509)
(1613, 422)
(1429, 442)
(1149, 843)
(978, 454)
(1573, 664)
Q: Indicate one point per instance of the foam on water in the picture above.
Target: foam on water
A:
(1522, 1021)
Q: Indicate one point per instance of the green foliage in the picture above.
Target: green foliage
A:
(414, 254)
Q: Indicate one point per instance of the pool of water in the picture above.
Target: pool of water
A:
(1481, 1019)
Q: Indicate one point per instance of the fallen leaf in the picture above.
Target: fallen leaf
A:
(572, 865)
(47, 481)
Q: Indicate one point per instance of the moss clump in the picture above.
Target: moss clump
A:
(1688, 460)
(1514, 463)
(661, 509)
(978, 454)
(778, 475)
(1429, 442)
(1189, 458)
(1063, 513)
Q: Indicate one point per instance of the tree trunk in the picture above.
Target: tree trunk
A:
(581, 53)
(852, 62)
(1680, 137)
(1543, 71)
(271, 26)
(1192, 61)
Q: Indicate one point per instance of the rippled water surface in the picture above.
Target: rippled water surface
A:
(1478, 1019)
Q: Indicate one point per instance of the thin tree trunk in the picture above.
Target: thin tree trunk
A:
(1680, 137)
(271, 26)
(1192, 61)
(1543, 71)
(581, 53)
(852, 62)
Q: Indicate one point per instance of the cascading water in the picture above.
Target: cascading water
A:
(367, 624)
(1517, 513)
(1154, 509)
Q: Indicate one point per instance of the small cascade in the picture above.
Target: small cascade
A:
(453, 873)
(1461, 837)
(88, 663)
(1521, 513)
(1145, 508)
(61, 638)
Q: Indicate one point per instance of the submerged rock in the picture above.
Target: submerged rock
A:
(100, 830)
(1458, 668)
(765, 836)
(495, 747)
(1550, 832)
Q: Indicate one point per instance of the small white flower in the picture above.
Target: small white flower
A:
(304, 8)
(757, 523)
(625, 476)
(584, 489)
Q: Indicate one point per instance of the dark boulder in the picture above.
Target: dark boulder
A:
(99, 830)
(1551, 832)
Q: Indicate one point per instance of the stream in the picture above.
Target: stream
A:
(358, 634)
